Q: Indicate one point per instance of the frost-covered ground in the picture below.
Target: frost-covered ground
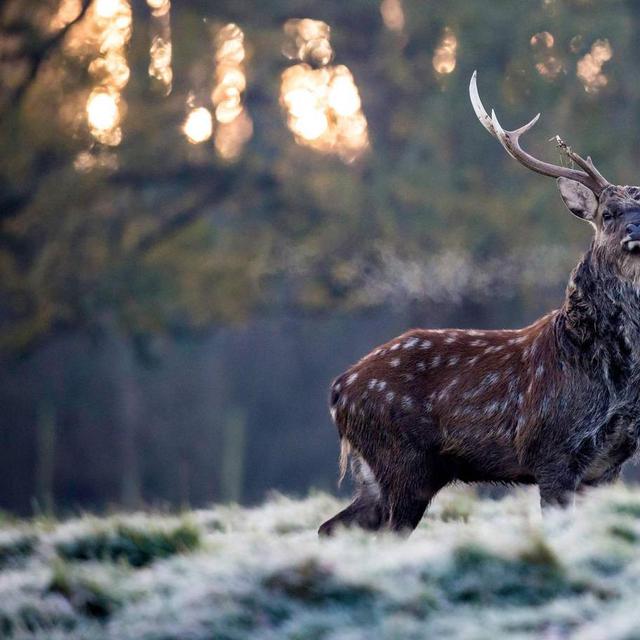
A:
(474, 569)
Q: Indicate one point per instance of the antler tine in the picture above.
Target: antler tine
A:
(510, 140)
(478, 107)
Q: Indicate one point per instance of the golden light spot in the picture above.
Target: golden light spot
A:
(544, 39)
(111, 70)
(444, 57)
(102, 110)
(343, 95)
(308, 40)
(160, 54)
(161, 51)
(589, 68)
(103, 116)
(198, 126)
(231, 137)
(104, 36)
(550, 67)
(323, 106)
(547, 64)
(392, 14)
(159, 7)
(106, 9)
(311, 124)
(234, 124)
(324, 109)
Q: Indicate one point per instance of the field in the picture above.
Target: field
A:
(475, 569)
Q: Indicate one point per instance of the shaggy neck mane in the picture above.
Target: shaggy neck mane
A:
(599, 323)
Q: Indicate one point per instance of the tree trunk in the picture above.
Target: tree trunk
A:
(45, 458)
(233, 448)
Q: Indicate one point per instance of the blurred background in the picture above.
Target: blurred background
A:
(209, 209)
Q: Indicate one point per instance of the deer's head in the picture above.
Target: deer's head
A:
(613, 211)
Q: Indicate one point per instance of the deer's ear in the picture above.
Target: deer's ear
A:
(580, 200)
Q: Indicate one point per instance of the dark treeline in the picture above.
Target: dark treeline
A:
(186, 259)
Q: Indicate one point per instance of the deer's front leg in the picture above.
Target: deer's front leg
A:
(558, 483)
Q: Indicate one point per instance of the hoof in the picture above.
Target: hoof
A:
(327, 529)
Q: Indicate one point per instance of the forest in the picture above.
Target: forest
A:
(208, 210)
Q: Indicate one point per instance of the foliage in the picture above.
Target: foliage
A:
(155, 220)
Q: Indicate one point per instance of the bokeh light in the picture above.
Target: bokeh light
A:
(323, 105)
(589, 68)
(547, 62)
(308, 40)
(198, 126)
(103, 36)
(102, 110)
(234, 126)
(444, 57)
(160, 51)
(542, 39)
(392, 14)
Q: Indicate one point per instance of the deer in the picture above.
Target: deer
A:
(555, 404)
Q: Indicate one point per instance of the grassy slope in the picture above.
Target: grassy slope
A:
(474, 569)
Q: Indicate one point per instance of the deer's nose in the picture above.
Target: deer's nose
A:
(633, 230)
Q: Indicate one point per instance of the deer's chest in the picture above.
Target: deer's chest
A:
(616, 443)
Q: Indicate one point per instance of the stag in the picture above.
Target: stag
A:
(554, 404)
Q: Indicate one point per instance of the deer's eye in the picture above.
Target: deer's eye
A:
(607, 215)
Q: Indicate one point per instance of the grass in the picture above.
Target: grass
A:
(475, 569)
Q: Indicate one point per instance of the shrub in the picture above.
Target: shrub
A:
(313, 583)
(136, 546)
(16, 548)
(87, 596)
(477, 576)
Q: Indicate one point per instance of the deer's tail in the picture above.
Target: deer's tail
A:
(345, 452)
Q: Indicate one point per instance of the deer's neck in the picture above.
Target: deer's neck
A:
(600, 319)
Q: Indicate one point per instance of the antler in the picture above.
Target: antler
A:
(590, 177)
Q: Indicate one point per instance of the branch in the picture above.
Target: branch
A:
(170, 228)
(40, 55)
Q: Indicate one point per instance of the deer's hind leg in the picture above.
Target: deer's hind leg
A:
(368, 509)
(411, 488)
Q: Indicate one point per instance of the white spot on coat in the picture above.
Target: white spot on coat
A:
(351, 378)
(390, 396)
(395, 362)
(453, 361)
(407, 402)
(491, 408)
(450, 339)
(490, 378)
(411, 342)
(381, 385)
(426, 344)
(394, 347)
(435, 362)
(420, 366)
(372, 383)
